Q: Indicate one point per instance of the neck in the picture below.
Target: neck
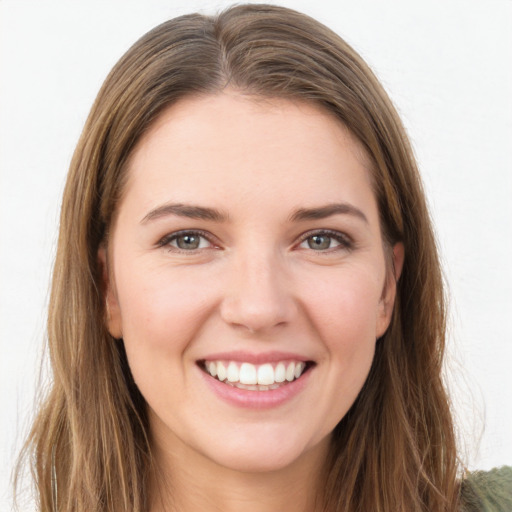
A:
(186, 481)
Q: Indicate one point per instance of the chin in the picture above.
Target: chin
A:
(255, 462)
(263, 454)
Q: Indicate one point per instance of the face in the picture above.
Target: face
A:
(247, 277)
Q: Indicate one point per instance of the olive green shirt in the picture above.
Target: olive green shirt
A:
(487, 491)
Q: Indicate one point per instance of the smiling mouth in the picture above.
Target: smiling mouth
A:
(253, 377)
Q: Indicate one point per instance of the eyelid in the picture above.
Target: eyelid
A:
(166, 240)
(346, 242)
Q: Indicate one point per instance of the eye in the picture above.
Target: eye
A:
(325, 240)
(185, 241)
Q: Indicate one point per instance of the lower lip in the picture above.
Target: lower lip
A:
(257, 399)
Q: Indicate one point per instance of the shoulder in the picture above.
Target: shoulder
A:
(487, 491)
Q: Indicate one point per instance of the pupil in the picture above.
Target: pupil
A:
(188, 242)
(319, 242)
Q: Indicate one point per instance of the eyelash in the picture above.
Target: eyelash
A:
(344, 241)
(168, 239)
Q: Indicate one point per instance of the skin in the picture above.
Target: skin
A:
(254, 284)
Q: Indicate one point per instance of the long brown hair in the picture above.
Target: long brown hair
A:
(395, 449)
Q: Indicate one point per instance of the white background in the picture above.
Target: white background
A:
(447, 66)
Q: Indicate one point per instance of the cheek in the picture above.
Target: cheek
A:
(345, 312)
(347, 303)
(156, 299)
(161, 312)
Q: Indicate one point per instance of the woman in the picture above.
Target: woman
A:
(247, 306)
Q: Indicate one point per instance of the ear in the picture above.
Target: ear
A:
(387, 300)
(113, 312)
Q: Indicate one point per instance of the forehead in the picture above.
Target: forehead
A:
(230, 114)
(229, 145)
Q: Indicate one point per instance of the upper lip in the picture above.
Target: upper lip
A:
(255, 358)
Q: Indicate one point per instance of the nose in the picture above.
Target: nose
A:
(259, 294)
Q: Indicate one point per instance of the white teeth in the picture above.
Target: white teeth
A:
(290, 372)
(233, 374)
(280, 373)
(299, 368)
(212, 368)
(221, 371)
(253, 377)
(266, 375)
(248, 374)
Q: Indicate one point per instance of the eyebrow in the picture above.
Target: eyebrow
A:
(328, 210)
(212, 214)
(184, 210)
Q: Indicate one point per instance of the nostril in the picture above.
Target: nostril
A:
(254, 314)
